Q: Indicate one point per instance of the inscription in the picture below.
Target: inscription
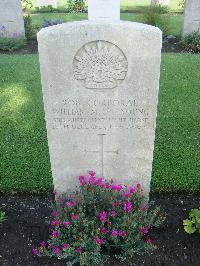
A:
(103, 115)
(100, 65)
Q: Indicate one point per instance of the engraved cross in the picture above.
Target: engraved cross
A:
(102, 151)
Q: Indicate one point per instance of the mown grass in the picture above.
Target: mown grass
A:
(24, 159)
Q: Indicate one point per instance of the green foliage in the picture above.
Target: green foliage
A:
(192, 224)
(191, 42)
(29, 29)
(76, 6)
(45, 9)
(27, 5)
(155, 15)
(11, 44)
(2, 217)
(181, 4)
(98, 220)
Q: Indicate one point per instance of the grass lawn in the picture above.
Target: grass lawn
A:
(24, 159)
(176, 20)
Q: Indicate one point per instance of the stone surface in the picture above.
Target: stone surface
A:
(191, 16)
(11, 18)
(41, 3)
(100, 98)
(160, 2)
(104, 9)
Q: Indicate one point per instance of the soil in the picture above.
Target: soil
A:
(25, 227)
(170, 44)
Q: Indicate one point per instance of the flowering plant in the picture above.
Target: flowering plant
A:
(99, 219)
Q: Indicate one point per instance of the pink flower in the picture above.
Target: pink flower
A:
(149, 241)
(70, 204)
(35, 251)
(138, 186)
(104, 230)
(113, 214)
(99, 181)
(143, 231)
(52, 245)
(54, 234)
(127, 195)
(132, 189)
(116, 203)
(61, 200)
(82, 180)
(79, 249)
(54, 213)
(102, 216)
(54, 223)
(56, 250)
(111, 180)
(91, 179)
(92, 173)
(115, 233)
(66, 223)
(51, 199)
(116, 187)
(74, 217)
(99, 241)
(65, 245)
(128, 206)
(123, 233)
(43, 244)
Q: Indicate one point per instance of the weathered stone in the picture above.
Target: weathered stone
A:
(11, 18)
(100, 84)
(160, 2)
(103, 9)
(191, 16)
(43, 3)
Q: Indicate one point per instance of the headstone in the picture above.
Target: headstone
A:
(98, 9)
(43, 3)
(160, 2)
(100, 81)
(11, 18)
(191, 16)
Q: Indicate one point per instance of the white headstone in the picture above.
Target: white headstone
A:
(160, 2)
(104, 9)
(11, 18)
(100, 83)
(191, 16)
(43, 3)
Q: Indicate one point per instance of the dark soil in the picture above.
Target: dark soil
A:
(26, 227)
(170, 44)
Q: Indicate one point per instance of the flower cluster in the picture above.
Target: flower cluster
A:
(97, 216)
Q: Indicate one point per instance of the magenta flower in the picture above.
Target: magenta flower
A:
(127, 195)
(92, 173)
(79, 249)
(91, 179)
(138, 186)
(102, 216)
(54, 223)
(99, 181)
(70, 204)
(66, 223)
(56, 250)
(149, 241)
(99, 241)
(113, 214)
(115, 233)
(74, 217)
(123, 233)
(132, 189)
(128, 206)
(43, 244)
(35, 251)
(116, 203)
(144, 231)
(82, 180)
(104, 230)
(116, 187)
(54, 234)
(54, 213)
(65, 246)
(52, 245)
(50, 199)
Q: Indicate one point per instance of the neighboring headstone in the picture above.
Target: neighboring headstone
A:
(191, 16)
(99, 9)
(43, 3)
(100, 83)
(11, 18)
(160, 2)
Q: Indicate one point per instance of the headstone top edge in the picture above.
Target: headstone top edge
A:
(67, 26)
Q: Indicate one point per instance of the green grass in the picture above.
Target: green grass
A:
(175, 19)
(24, 159)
